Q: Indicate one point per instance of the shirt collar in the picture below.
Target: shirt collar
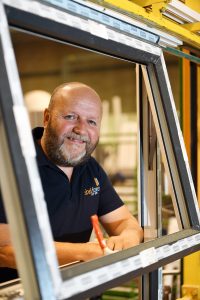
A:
(41, 157)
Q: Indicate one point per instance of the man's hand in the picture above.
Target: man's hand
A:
(125, 240)
(92, 250)
(123, 229)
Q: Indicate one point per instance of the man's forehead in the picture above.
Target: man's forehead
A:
(82, 94)
(70, 97)
(79, 90)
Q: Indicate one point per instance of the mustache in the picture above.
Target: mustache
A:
(76, 136)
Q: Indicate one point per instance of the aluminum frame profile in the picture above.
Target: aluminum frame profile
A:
(100, 15)
(149, 189)
(17, 156)
(16, 189)
(165, 39)
(89, 278)
(110, 271)
(165, 145)
(181, 13)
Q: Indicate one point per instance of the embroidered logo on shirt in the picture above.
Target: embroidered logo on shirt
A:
(96, 181)
(93, 190)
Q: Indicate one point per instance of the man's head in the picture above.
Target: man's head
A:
(71, 124)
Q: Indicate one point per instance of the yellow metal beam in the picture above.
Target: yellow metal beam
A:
(194, 27)
(155, 6)
(194, 4)
(145, 3)
(192, 262)
(154, 20)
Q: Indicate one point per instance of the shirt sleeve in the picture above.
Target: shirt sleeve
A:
(109, 199)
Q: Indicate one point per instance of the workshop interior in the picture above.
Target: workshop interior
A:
(142, 57)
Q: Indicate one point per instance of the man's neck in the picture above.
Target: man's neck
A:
(67, 170)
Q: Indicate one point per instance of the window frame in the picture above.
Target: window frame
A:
(33, 239)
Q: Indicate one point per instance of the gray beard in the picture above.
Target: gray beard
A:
(57, 153)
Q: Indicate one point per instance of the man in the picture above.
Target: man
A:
(75, 186)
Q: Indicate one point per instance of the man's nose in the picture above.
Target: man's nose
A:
(80, 127)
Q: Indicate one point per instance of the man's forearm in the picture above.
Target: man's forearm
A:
(124, 227)
(66, 253)
(130, 227)
(5, 238)
(7, 257)
(70, 252)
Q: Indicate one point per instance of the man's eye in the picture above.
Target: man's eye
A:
(69, 117)
(92, 122)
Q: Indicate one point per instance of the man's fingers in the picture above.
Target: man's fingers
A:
(110, 243)
(115, 243)
(120, 243)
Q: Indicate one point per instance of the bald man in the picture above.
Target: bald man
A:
(75, 185)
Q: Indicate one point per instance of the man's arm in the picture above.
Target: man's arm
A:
(7, 258)
(70, 252)
(123, 229)
(66, 252)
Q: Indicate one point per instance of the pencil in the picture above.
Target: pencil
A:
(98, 232)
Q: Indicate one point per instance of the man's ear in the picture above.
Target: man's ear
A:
(46, 117)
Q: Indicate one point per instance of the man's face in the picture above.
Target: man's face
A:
(72, 127)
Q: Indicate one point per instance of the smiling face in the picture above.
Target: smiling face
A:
(72, 125)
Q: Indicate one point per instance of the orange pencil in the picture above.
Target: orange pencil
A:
(98, 232)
